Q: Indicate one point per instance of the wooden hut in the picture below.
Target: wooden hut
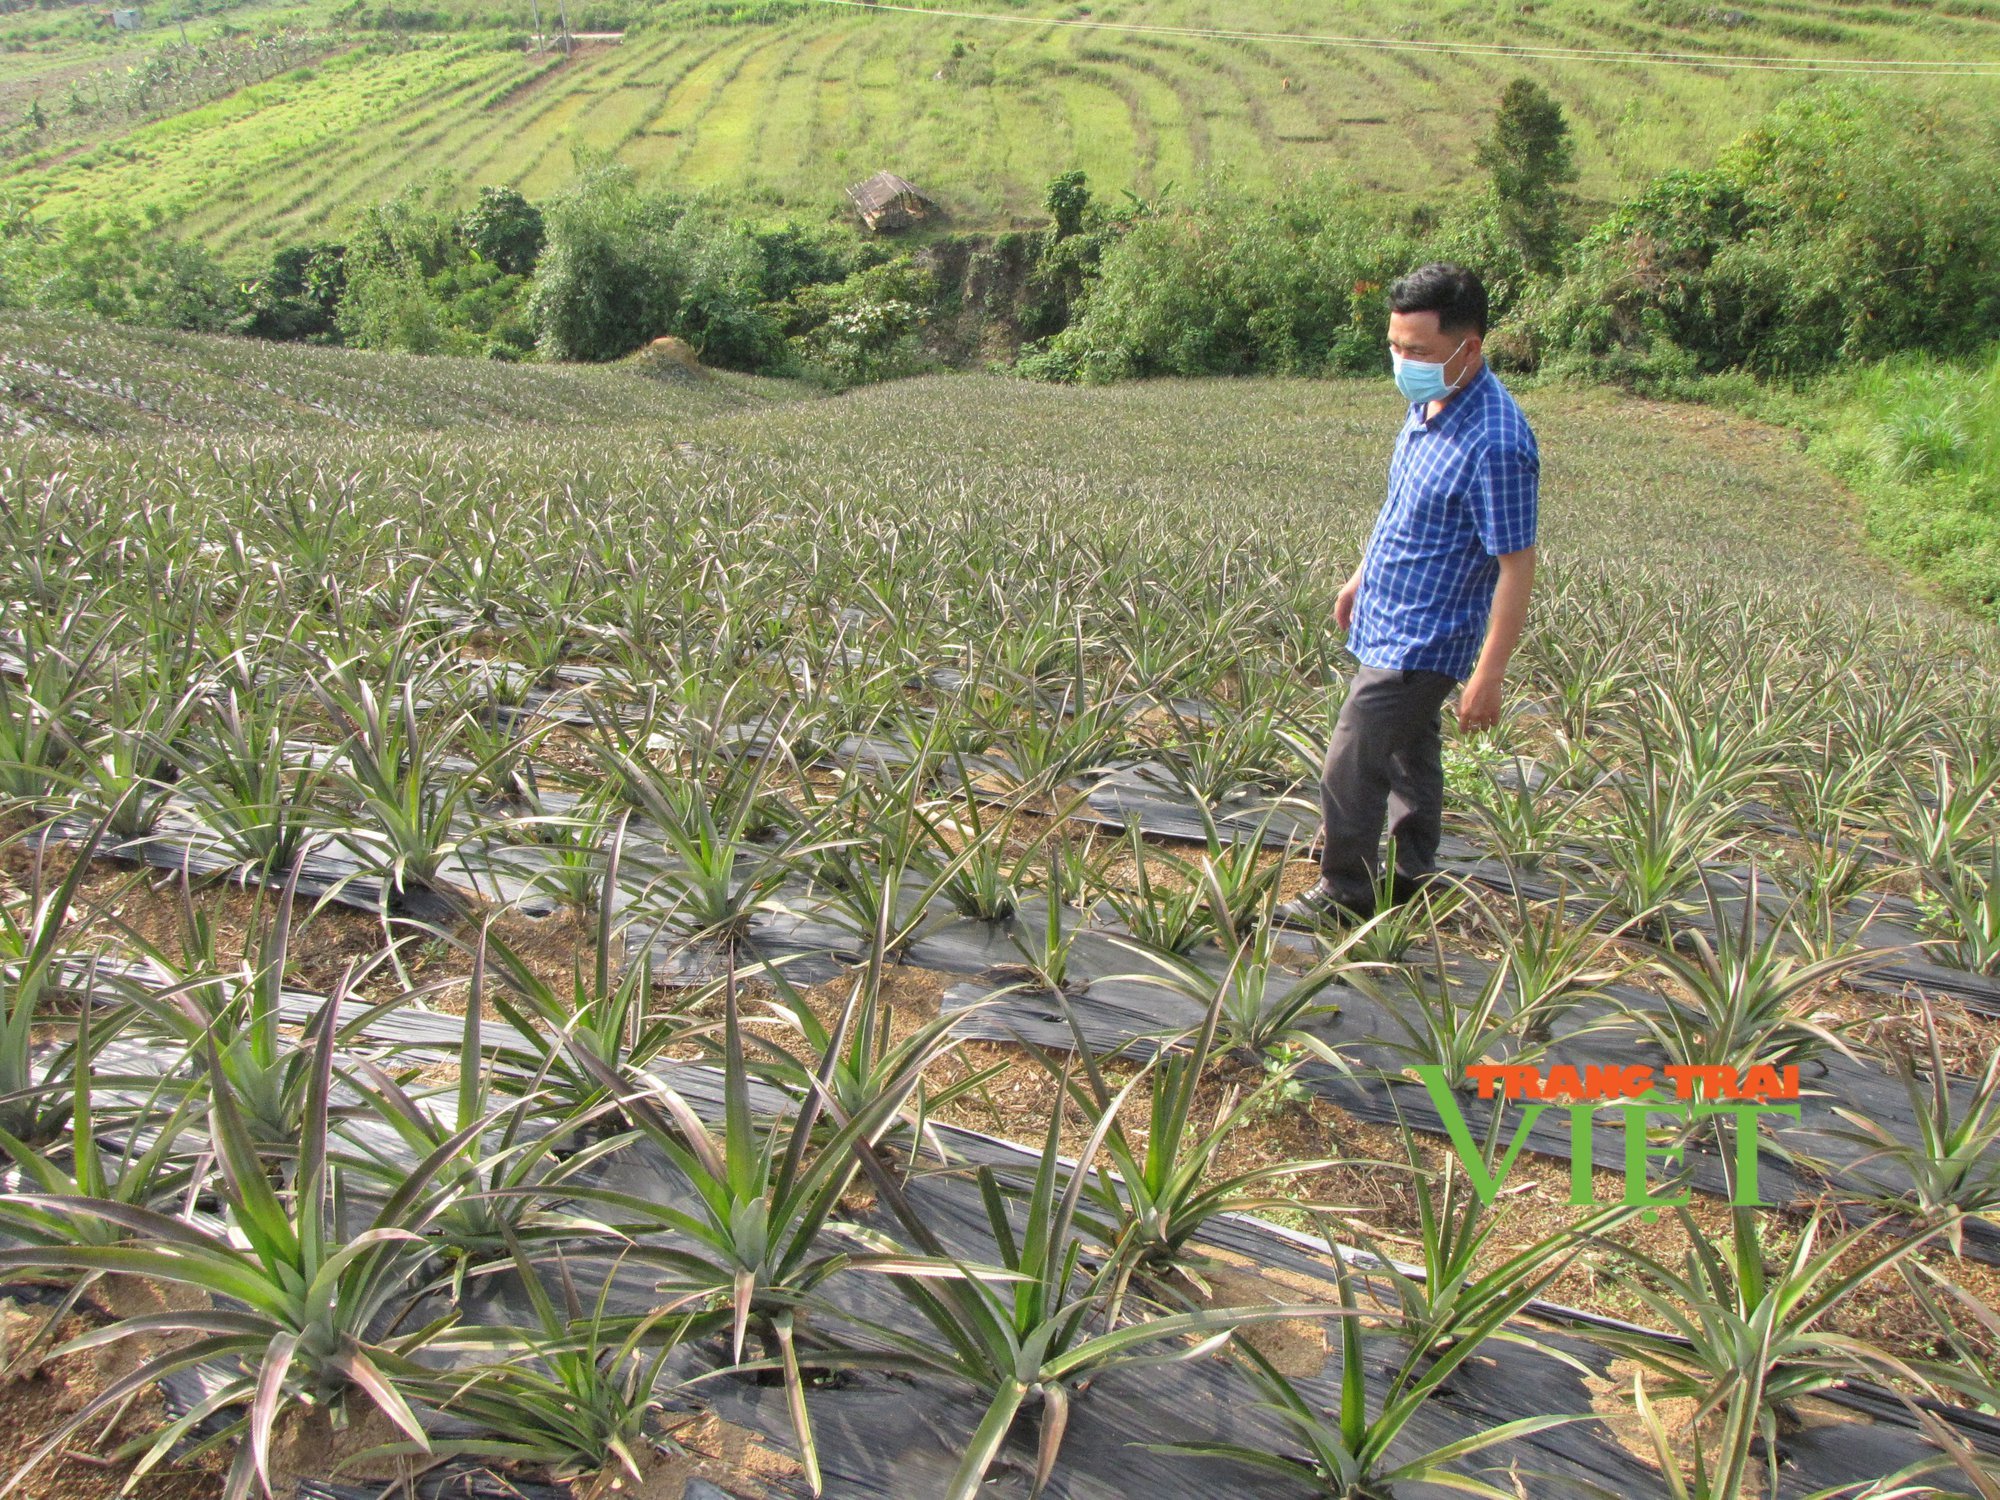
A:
(887, 203)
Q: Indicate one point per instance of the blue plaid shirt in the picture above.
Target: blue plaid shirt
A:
(1462, 492)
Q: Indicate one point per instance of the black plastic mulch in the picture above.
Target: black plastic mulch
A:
(1119, 1014)
(888, 1437)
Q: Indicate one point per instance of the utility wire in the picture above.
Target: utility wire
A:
(1876, 67)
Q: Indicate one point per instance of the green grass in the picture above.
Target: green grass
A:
(1920, 439)
(778, 116)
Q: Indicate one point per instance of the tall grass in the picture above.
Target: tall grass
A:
(1921, 438)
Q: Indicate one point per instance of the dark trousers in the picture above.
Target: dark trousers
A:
(1386, 759)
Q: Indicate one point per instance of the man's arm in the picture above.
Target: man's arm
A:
(1479, 700)
(1343, 603)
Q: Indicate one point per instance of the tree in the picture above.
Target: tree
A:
(505, 228)
(299, 296)
(1531, 160)
(1066, 199)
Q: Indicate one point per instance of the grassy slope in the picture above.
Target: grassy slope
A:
(65, 374)
(778, 116)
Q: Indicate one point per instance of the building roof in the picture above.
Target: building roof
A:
(882, 190)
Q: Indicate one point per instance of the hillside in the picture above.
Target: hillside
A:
(981, 105)
(82, 375)
(503, 839)
(1722, 497)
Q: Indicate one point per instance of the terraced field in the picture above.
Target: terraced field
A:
(983, 108)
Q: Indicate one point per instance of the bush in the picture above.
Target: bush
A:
(1531, 162)
(298, 297)
(1225, 284)
(622, 267)
(867, 327)
(505, 228)
(123, 266)
(1854, 223)
(424, 280)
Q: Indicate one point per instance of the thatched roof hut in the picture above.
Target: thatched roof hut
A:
(887, 203)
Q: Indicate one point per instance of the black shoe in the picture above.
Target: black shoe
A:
(1404, 888)
(1317, 906)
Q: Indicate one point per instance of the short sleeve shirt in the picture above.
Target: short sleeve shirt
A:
(1463, 492)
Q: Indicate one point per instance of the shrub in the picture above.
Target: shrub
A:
(505, 228)
(1226, 284)
(1531, 160)
(867, 327)
(124, 266)
(621, 267)
(1853, 223)
(298, 297)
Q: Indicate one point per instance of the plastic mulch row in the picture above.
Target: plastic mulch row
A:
(891, 1437)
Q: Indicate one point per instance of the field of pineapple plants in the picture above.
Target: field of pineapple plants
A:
(564, 932)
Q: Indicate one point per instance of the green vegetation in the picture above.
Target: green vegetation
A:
(80, 374)
(777, 107)
(709, 672)
(1849, 225)
(1920, 439)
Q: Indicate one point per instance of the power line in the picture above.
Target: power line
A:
(1875, 67)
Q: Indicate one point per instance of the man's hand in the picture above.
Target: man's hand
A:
(1479, 703)
(1343, 604)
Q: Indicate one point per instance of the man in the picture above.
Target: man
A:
(1438, 598)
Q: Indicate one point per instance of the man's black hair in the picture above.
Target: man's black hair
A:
(1455, 294)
